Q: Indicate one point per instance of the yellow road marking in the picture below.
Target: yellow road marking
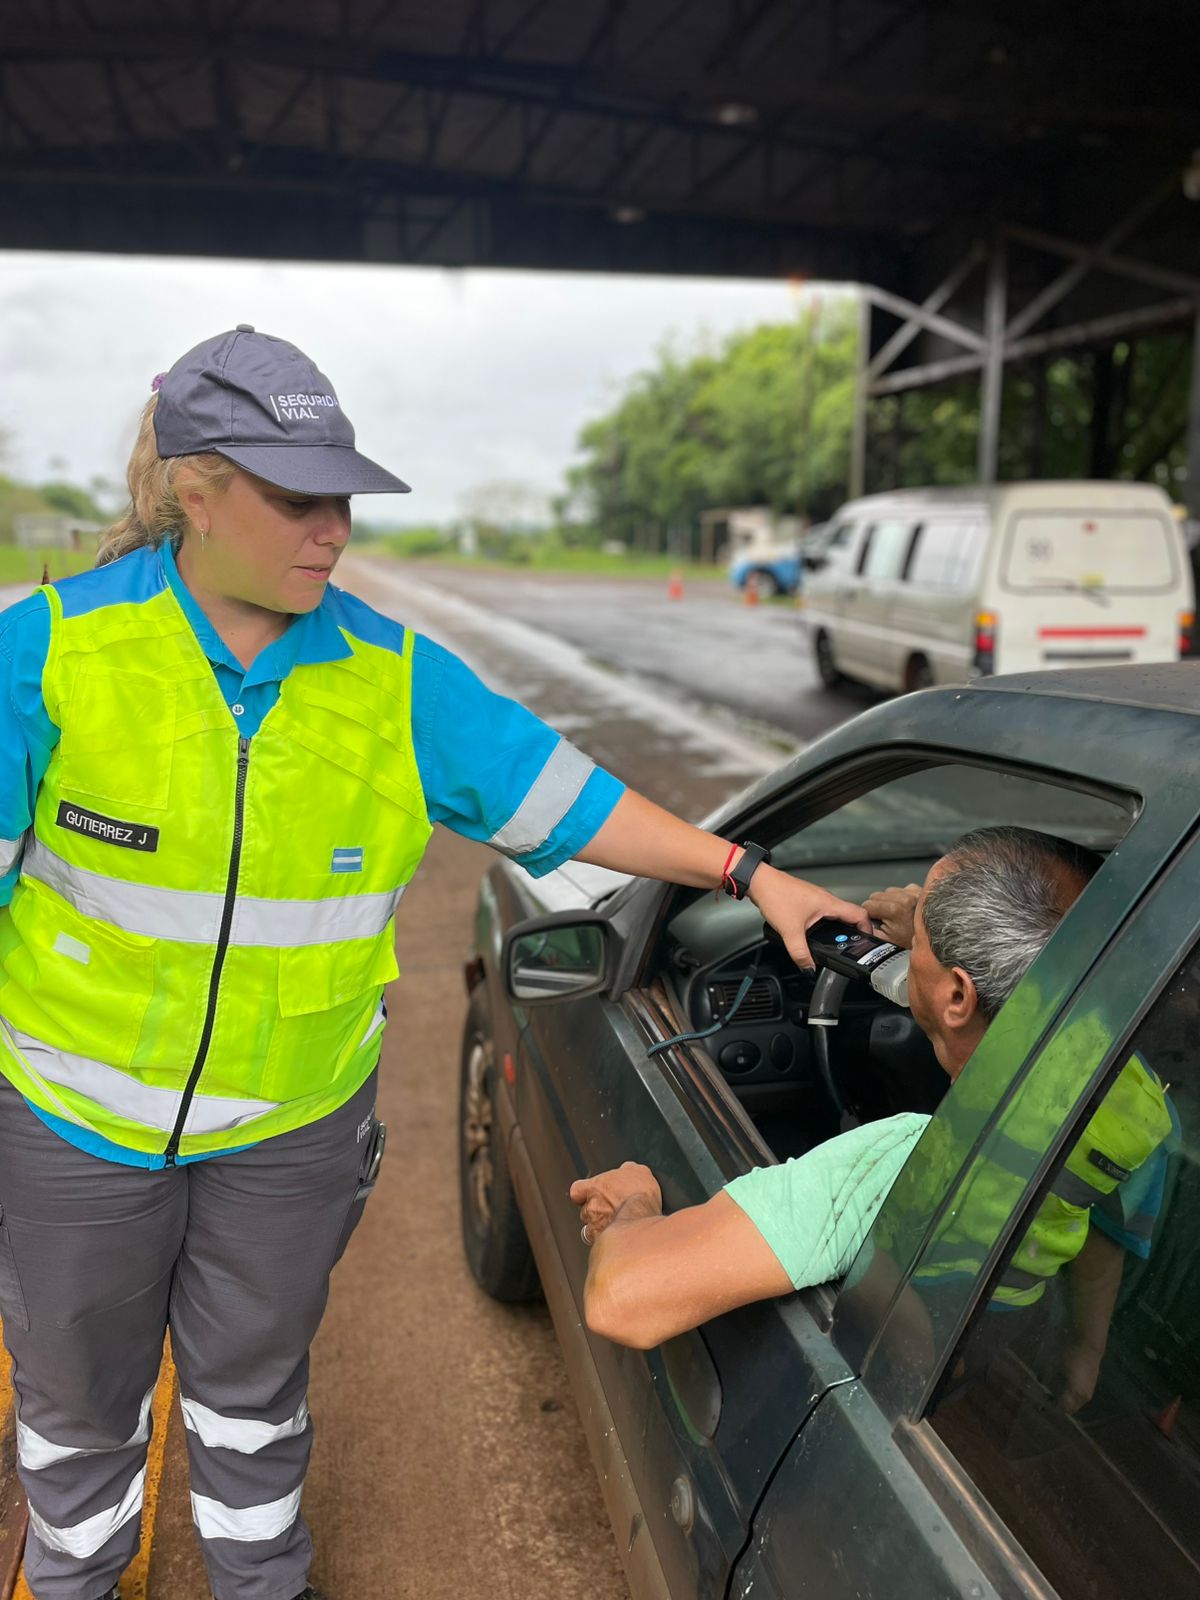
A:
(6, 1393)
(135, 1585)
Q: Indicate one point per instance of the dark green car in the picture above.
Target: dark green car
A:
(844, 1441)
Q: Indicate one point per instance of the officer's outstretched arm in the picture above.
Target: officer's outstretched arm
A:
(1093, 1281)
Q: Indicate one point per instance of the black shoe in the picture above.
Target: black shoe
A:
(310, 1594)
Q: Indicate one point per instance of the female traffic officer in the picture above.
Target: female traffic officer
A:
(220, 772)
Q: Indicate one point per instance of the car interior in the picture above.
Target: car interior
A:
(881, 1062)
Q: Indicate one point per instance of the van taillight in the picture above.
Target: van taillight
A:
(986, 623)
(1187, 633)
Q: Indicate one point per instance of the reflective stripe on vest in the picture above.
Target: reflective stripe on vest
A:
(1130, 1122)
(221, 981)
(128, 1096)
(196, 918)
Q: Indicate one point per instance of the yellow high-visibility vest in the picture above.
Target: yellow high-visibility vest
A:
(194, 954)
(1128, 1125)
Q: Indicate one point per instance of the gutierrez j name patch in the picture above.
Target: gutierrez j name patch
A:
(130, 835)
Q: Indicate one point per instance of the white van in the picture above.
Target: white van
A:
(927, 586)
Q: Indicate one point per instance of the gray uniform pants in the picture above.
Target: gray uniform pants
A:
(233, 1254)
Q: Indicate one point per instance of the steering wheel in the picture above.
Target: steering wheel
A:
(823, 1010)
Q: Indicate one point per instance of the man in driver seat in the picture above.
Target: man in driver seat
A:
(987, 908)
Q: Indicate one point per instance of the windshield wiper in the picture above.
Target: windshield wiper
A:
(1094, 591)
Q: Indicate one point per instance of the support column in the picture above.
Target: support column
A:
(1099, 456)
(992, 387)
(858, 436)
(1192, 490)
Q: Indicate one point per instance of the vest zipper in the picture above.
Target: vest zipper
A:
(214, 982)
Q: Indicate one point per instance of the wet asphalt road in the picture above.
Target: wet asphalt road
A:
(752, 662)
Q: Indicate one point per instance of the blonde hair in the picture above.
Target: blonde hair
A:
(155, 511)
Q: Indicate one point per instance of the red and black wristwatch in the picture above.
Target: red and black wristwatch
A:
(736, 881)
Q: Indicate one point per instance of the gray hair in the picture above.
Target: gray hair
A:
(1005, 893)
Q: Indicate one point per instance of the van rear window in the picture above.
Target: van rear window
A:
(1121, 552)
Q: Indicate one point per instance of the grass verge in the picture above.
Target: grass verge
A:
(19, 565)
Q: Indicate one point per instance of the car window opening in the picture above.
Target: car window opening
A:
(889, 835)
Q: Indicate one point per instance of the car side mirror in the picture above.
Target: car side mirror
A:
(815, 563)
(559, 957)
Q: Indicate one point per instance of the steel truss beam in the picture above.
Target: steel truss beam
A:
(1008, 341)
(1096, 330)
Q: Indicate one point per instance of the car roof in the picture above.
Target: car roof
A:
(1164, 686)
(1128, 728)
(1054, 494)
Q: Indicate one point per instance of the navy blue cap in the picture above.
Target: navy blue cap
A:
(261, 403)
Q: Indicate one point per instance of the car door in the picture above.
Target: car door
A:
(588, 1096)
(966, 1458)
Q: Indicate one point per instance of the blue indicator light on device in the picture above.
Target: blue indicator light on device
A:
(842, 938)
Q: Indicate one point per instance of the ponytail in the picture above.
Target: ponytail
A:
(155, 512)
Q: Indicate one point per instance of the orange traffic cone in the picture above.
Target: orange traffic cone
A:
(1167, 1417)
(751, 593)
(675, 586)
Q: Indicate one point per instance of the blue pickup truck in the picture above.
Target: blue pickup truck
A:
(771, 571)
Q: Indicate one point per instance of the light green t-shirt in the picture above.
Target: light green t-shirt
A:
(815, 1210)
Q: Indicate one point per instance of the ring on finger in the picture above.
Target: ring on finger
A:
(585, 1233)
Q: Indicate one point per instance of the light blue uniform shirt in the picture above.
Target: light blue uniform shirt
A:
(479, 755)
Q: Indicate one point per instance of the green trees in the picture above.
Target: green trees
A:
(765, 419)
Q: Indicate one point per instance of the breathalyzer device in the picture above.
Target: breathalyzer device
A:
(840, 947)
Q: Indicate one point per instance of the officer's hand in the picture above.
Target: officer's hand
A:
(1080, 1375)
(893, 911)
(792, 905)
(600, 1198)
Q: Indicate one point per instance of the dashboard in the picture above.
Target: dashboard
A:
(881, 1059)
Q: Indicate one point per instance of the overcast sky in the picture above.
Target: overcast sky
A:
(452, 379)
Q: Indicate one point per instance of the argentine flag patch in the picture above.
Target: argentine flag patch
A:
(347, 860)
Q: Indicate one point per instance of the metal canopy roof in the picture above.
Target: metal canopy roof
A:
(865, 139)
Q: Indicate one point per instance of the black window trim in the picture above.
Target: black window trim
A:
(864, 550)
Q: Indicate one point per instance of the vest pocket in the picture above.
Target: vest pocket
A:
(77, 984)
(323, 977)
(118, 738)
(326, 1005)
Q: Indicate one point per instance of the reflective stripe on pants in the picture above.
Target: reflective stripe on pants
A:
(234, 1254)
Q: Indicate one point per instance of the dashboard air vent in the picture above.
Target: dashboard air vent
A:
(760, 1005)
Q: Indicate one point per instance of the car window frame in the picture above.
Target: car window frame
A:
(935, 522)
(863, 550)
(904, 1391)
(904, 526)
